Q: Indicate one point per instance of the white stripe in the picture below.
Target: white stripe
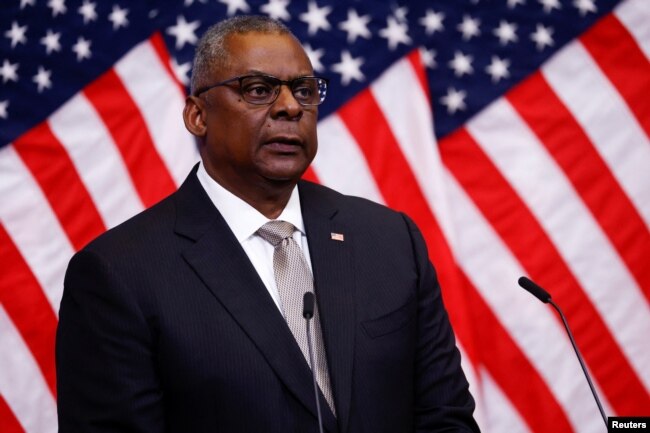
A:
(22, 384)
(494, 271)
(159, 99)
(542, 185)
(408, 112)
(501, 415)
(606, 120)
(32, 225)
(340, 163)
(95, 156)
(635, 15)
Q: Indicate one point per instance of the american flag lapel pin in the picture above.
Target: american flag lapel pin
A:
(337, 237)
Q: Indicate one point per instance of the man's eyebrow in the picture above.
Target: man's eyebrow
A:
(257, 72)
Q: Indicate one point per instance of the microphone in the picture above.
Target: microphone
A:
(545, 297)
(533, 288)
(308, 306)
(308, 313)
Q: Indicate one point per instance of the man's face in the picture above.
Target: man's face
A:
(247, 145)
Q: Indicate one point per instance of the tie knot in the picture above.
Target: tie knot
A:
(275, 231)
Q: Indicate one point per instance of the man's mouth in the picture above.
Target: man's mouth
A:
(284, 144)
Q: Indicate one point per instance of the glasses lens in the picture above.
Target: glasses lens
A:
(309, 90)
(259, 89)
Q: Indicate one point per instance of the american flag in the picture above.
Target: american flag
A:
(514, 132)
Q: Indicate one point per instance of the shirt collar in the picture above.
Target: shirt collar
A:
(242, 218)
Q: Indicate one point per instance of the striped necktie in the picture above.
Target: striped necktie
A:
(293, 278)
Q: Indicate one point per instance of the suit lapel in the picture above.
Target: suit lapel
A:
(223, 266)
(333, 266)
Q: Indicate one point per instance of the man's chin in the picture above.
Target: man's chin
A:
(283, 179)
(285, 174)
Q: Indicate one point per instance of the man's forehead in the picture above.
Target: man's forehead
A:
(261, 50)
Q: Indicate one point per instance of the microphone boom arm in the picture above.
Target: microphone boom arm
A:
(545, 297)
(582, 363)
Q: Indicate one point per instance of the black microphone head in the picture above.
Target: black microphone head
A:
(308, 305)
(536, 290)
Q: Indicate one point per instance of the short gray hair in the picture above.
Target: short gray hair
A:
(211, 50)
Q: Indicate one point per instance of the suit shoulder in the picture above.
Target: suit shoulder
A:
(357, 208)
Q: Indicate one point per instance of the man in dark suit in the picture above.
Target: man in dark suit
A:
(175, 321)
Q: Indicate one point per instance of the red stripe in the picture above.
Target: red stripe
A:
(28, 308)
(8, 421)
(367, 124)
(553, 124)
(519, 229)
(620, 58)
(310, 175)
(415, 60)
(534, 401)
(159, 46)
(129, 130)
(54, 171)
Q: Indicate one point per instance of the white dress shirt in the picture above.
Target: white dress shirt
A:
(244, 220)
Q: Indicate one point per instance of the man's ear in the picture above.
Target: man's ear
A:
(194, 116)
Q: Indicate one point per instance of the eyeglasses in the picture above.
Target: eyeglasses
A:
(264, 89)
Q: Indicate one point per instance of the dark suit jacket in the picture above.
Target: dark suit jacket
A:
(166, 326)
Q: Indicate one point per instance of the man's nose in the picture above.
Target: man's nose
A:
(286, 104)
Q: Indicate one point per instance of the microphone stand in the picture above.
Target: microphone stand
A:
(308, 313)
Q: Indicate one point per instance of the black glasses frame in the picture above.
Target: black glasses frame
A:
(288, 83)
